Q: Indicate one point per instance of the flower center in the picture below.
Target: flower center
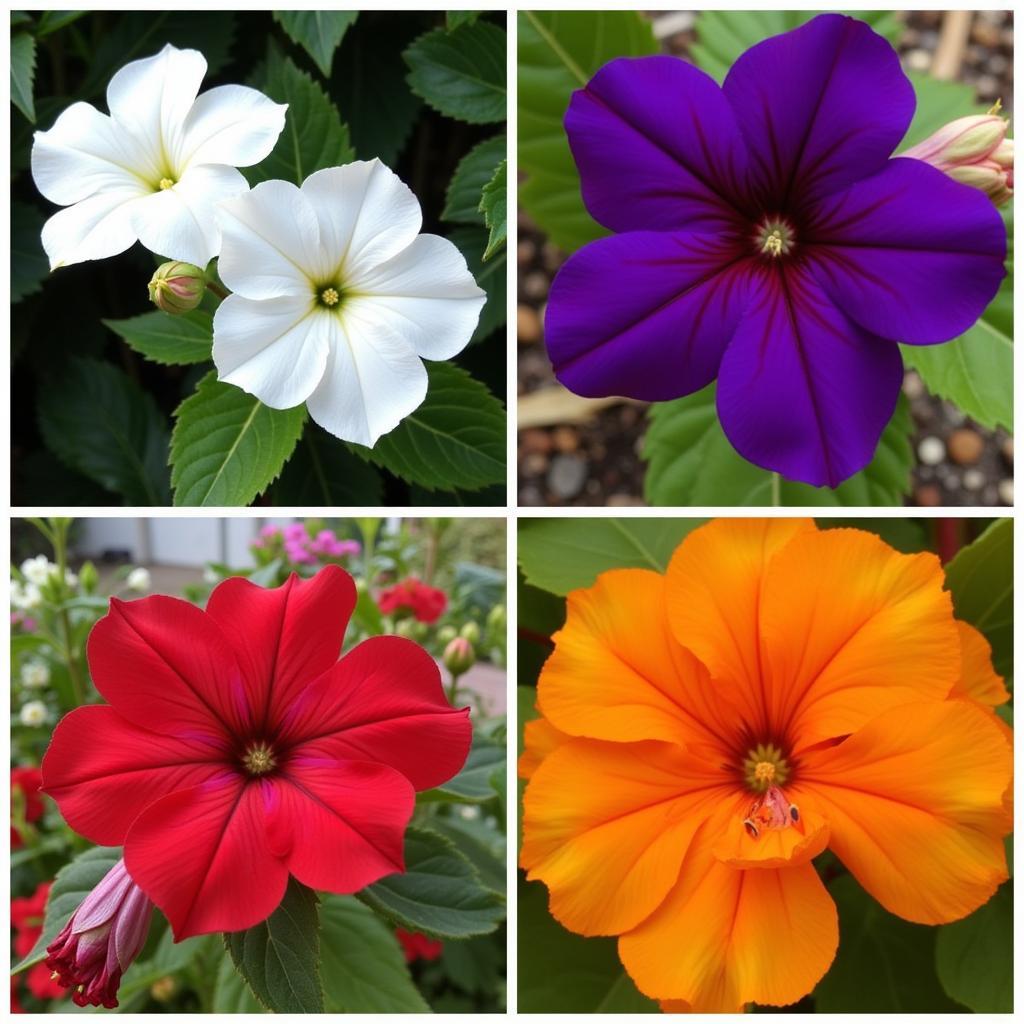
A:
(259, 758)
(166, 183)
(764, 767)
(330, 297)
(774, 238)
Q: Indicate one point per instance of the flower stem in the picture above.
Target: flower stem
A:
(221, 293)
(776, 490)
(59, 537)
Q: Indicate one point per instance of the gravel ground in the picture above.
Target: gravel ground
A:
(596, 462)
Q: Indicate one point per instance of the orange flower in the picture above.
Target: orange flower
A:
(708, 732)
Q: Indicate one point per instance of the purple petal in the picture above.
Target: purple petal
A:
(645, 314)
(802, 390)
(820, 107)
(657, 147)
(909, 253)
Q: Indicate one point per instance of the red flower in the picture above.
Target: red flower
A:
(426, 603)
(237, 749)
(27, 921)
(418, 947)
(27, 780)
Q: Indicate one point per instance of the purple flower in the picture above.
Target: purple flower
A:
(767, 239)
(105, 934)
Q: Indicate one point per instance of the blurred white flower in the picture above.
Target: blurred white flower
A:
(35, 675)
(338, 298)
(211, 576)
(138, 580)
(38, 570)
(34, 714)
(70, 578)
(155, 168)
(25, 596)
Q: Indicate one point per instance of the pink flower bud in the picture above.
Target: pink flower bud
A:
(975, 151)
(105, 934)
(459, 656)
(177, 287)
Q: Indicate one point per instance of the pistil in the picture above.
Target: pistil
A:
(764, 767)
(166, 183)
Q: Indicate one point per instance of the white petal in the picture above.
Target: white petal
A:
(232, 124)
(181, 222)
(93, 229)
(152, 98)
(373, 381)
(427, 294)
(276, 349)
(271, 242)
(367, 214)
(85, 153)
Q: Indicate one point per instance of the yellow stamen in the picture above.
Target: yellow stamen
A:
(773, 243)
(764, 771)
(996, 107)
(259, 759)
(330, 297)
(166, 183)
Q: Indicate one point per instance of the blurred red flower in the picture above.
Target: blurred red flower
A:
(427, 604)
(417, 946)
(27, 921)
(27, 780)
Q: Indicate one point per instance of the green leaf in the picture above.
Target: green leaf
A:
(938, 103)
(313, 137)
(52, 21)
(371, 91)
(473, 783)
(475, 170)
(481, 845)
(980, 578)
(559, 555)
(560, 972)
(461, 73)
(440, 893)
(490, 276)
(559, 51)
(884, 964)
(29, 266)
(102, 424)
(493, 205)
(453, 19)
(319, 33)
(73, 883)
(974, 956)
(231, 994)
(227, 447)
(280, 958)
(168, 958)
(363, 967)
(456, 438)
(723, 35)
(166, 339)
(23, 71)
(324, 473)
(691, 462)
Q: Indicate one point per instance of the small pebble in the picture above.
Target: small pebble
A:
(1007, 450)
(525, 251)
(931, 451)
(928, 496)
(974, 479)
(535, 285)
(1006, 492)
(534, 440)
(918, 60)
(534, 464)
(528, 326)
(567, 475)
(566, 439)
(913, 387)
(965, 446)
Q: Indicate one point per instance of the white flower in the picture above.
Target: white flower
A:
(138, 580)
(153, 170)
(38, 570)
(70, 578)
(339, 298)
(25, 596)
(34, 713)
(35, 675)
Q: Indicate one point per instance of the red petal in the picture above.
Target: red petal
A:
(284, 638)
(384, 702)
(340, 825)
(103, 771)
(203, 857)
(163, 664)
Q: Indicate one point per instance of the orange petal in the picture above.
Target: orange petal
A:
(540, 737)
(773, 847)
(713, 590)
(978, 679)
(725, 937)
(617, 674)
(852, 628)
(914, 801)
(606, 827)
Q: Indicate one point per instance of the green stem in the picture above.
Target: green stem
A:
(60, 553)
(453, 690)
(221, 293)
(776, 490)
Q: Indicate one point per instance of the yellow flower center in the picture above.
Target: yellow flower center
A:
(259, 759)
(764, 766)
(774, 238)
(330, 297)
(166, 183)
(764, 771)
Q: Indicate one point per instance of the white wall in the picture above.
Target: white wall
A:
(184, 541)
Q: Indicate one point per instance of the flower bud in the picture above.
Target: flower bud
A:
(446, 633)
(177, 287)
(974, 151)
(496, 619)
(138, 580)
(89, 578)
(471, 632)
(104, 936)
(459, 656)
